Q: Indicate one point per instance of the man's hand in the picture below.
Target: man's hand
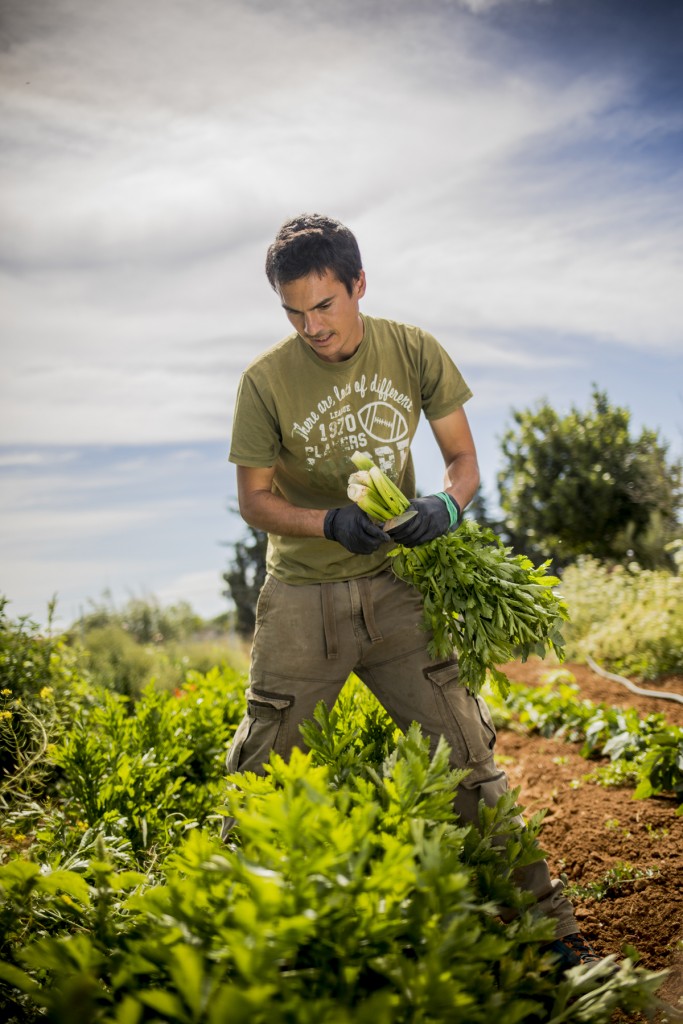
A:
(436, 514)
(352, 528)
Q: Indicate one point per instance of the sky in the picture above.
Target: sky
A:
(512, 169)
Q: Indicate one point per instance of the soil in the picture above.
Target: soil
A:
(590, 829)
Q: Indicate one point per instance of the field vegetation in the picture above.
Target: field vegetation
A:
(348, 891)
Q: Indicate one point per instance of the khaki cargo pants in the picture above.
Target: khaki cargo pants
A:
(307, 641)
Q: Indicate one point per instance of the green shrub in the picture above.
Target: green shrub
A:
(117, 660)
(153, 766)
(362, 900)
(627, 618)
(40, 683)
(143, 619)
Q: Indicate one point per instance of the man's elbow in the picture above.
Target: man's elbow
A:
(251, 508)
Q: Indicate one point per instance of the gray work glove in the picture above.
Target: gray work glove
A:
(436, 515)
(353, 529)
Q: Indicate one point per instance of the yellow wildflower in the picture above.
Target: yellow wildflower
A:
(45, 693)
(5, 714)
(6, 692)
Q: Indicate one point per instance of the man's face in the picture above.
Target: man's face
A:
(324, 314)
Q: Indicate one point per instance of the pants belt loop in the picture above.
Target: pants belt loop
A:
(368, 609)
(329, 620)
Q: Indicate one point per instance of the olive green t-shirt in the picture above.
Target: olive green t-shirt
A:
(306, 417)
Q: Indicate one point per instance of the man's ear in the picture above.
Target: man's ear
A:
(360, 285)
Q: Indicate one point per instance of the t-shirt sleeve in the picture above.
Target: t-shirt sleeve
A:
(442, 386)
(256, 438)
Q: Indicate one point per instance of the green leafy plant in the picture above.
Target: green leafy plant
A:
(153, 764)
(346, 896)
(644, 751)
(627, 618)
(484, 602)
(40, 684)
(478, 599)
(615, 878)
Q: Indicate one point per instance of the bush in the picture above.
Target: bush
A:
(629, 619)
(357, 901)
(121, 663)
(40, 682)
(144, 619)
(150, 768)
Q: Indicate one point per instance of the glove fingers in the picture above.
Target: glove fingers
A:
(407, 531)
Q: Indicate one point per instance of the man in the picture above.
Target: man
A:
(330, 604)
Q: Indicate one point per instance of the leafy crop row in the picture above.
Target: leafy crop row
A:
(643, 751)
(349, 892)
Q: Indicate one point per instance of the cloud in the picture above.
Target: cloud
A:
(142, 226)
(203, 590)
(484, 6)
(511, 169)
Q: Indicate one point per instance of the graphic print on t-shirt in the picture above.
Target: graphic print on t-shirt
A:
(360, 416)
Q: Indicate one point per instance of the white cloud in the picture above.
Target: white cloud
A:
(505, 196)
(157, 195)
(483, 6)
(203, 589)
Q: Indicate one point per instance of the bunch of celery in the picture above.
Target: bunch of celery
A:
(479, 599)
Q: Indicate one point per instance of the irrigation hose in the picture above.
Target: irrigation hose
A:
(663, 694)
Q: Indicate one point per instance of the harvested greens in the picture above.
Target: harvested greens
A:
(483, 602)
(480, 600)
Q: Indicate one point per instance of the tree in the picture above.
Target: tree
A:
(582, 485)
(478, 509)
(245, 577)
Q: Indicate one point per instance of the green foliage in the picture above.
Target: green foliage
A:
(39, 684)
(349, 892)
(339, 901)
(143, 619)
(627, 618)
(126, 649)
(483, 602)
(152, 768)
(645, 750)
(116, 659)
(614, 879)
(244, 578)
(581, 484)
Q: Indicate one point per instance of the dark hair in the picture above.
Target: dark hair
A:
(313, 244)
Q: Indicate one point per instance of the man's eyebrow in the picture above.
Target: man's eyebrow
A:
(323, 302)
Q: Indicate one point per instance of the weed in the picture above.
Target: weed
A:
(614, 878)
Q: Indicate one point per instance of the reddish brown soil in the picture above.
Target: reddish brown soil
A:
(590, 829)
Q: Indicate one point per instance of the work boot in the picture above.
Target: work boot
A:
(572, 950)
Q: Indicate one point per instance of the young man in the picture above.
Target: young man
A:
(330, 604)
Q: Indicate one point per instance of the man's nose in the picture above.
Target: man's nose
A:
(312, 323)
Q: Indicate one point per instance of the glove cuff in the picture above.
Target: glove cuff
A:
(328, 523)
(454, 511)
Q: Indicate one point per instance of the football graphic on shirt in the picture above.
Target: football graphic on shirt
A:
(383, 422)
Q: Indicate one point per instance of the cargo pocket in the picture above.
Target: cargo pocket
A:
(468, 726)
(266, 592)
(265, 727)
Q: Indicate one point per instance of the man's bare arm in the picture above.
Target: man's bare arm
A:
(264, 510)
(454, 438)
